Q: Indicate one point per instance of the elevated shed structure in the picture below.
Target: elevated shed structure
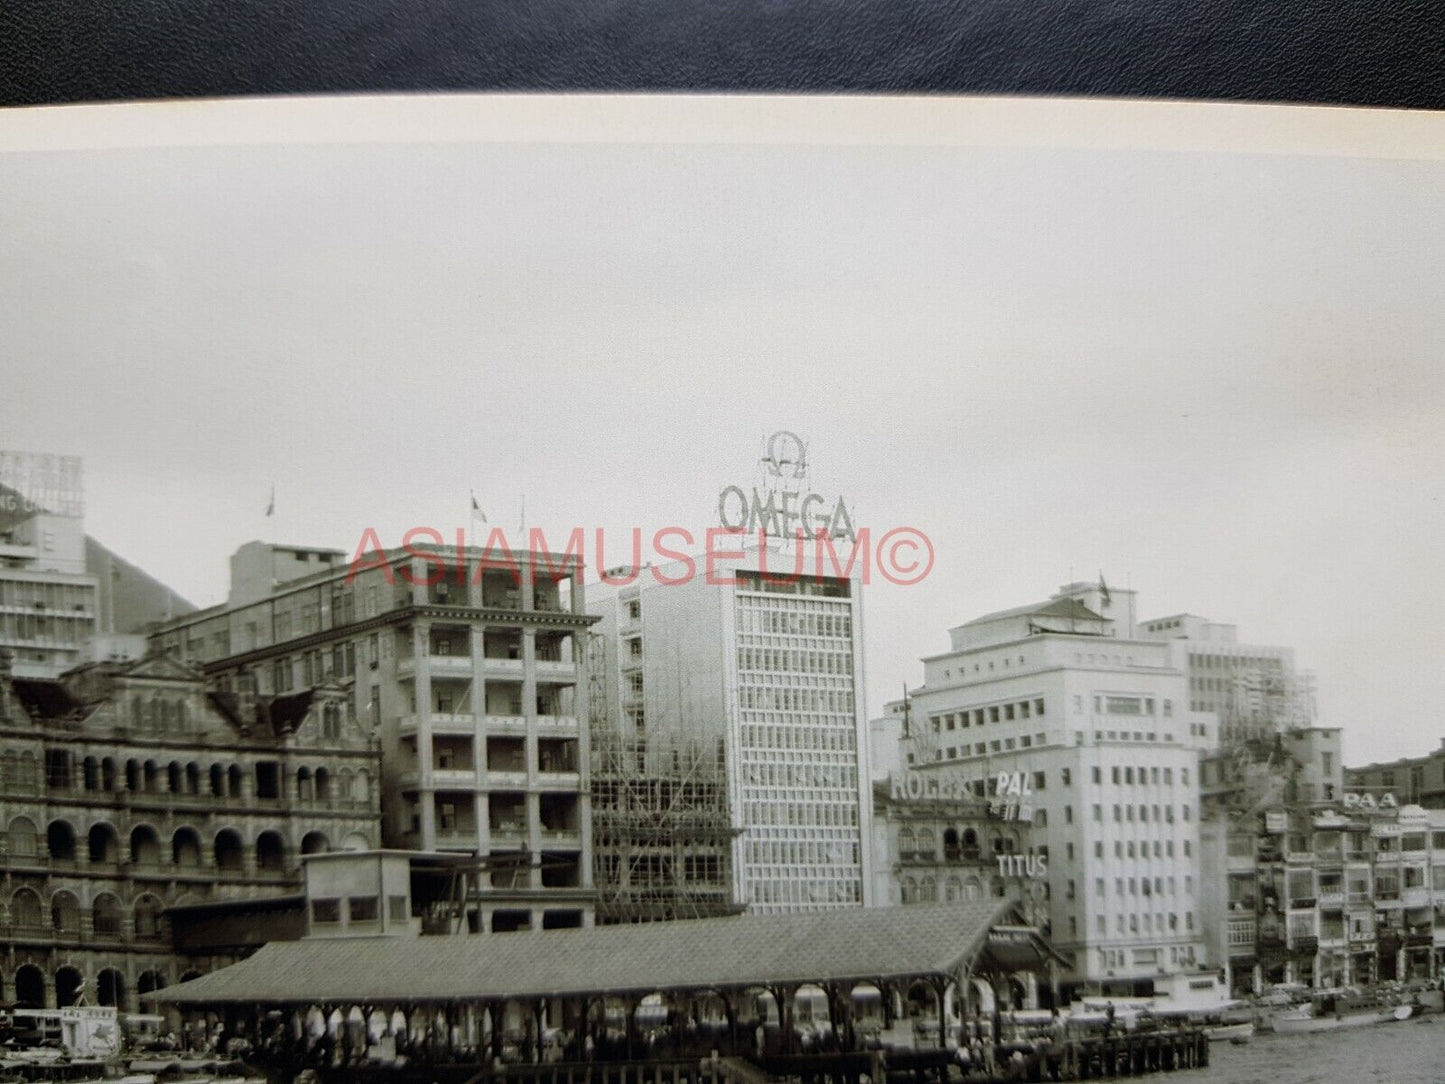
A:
(732, 984)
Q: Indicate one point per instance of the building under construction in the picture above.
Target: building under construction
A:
(662, 832)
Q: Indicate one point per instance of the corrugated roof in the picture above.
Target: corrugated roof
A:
(745, 950)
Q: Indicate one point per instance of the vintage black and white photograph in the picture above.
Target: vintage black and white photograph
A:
(541, 589)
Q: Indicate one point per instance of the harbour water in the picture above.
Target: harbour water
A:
(1413, 1052)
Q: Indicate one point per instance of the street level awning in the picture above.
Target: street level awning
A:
(847, 945)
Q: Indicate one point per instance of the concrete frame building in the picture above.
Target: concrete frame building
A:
(467, 663)
(49, 602)
(130, 790)
(768, 669)
(1253, 690)
(1063, 721)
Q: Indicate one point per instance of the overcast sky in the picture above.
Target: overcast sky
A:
(1213, 376)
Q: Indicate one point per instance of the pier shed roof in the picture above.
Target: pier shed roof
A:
(847, 945)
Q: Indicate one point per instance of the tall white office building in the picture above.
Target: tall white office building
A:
(771, 674)
(1094, 727)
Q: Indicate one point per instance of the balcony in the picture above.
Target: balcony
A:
(1415, 897)
(459, 838)
(507, 723)
(1331, 899)
(1239, 863)
(558, 723)
(509, 832)
(453, 722)
(464, 778)
(450, 665)
(502, 668)
(556, 670)
(1241, 935)
(441, 723)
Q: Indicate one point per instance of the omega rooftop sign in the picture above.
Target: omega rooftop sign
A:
(785, 505)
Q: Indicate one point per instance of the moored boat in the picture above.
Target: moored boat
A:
(1237, 1032)
(1330, 1012)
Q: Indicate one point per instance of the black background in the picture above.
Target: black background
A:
(1376, 52)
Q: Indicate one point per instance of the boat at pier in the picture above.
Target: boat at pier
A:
(1337, 1010)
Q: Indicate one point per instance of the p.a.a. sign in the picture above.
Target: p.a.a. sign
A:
(1365, 802)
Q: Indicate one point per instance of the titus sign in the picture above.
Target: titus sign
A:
(784, 507)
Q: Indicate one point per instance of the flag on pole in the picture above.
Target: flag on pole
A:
(477, 512)
(271, 508)
(1103, 589)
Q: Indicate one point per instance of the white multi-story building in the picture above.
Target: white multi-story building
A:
(48, 601)
(1063, 719)
(1253, 689)
(774, 672)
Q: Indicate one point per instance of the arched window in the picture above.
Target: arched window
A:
(910, 890)
(230, 852)
(68, 985)
(315, 843)
(105, 914)
(148, 918)
(65, 913)
(950, 844)
(23, 837)
(186, 848)
(270, 852)
(25, 909)
(149, 982)
(103, 845)
(175, 778)
(110, 988)
(927, 843)
(928, 891)
(60, 840)
(145, 846)
(30, 987)
(905, 842)
(970, 845)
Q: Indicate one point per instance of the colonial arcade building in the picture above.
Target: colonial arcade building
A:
(128, 789)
